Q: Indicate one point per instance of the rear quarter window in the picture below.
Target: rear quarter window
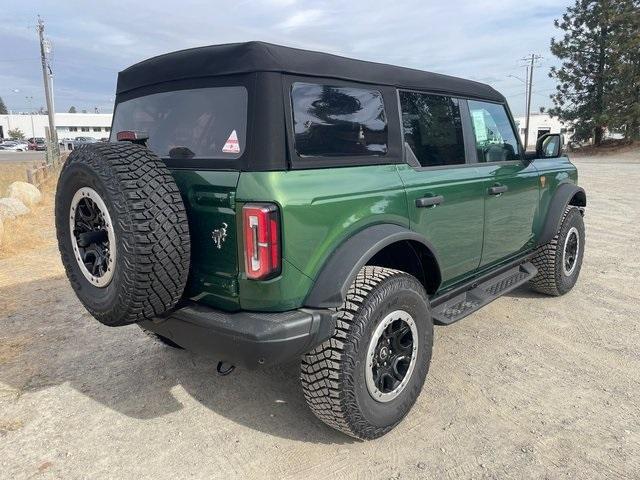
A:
(337, 121)
(203, 123)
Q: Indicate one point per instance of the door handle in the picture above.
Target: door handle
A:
(498, 189)
(429, 201)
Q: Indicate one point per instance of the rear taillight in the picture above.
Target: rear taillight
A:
(261, 227)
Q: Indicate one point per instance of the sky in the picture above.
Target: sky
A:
(482, 40)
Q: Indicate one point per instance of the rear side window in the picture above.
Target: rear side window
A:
(336, 121)
(203, 123)
(495, 138)
(432, 129)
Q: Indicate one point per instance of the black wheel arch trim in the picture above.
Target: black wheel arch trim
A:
(566, 194)
(341, 268)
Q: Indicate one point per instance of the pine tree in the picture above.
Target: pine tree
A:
(587, 93)
(3, 107)
(626, 88)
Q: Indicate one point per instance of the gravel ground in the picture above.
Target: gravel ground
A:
(528, 387)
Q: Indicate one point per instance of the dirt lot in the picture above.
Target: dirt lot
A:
(529, 387)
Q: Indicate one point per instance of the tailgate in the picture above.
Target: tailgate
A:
(209, 197)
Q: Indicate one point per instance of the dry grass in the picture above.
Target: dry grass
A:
(34, 229)
(11, 172)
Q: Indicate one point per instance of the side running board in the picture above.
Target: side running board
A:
(468, 302)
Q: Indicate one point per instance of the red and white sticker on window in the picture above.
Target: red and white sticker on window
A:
(232, 145)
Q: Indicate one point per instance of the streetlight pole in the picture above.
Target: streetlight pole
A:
(532, 59)
(526, 90)
(33, 130)
(14, 90)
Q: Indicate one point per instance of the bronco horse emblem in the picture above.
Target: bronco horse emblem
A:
(219, 235)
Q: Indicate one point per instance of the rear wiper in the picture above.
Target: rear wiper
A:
(181, 153)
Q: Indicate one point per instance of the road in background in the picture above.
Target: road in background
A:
(27, 157)
(528, 387)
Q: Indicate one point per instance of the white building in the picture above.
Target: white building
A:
(68, 125)
(541, 123)
(98, 125)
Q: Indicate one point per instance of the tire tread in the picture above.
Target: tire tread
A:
(155, 232)
(545, 260)
(326, 385)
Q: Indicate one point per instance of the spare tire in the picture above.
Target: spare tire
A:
(122, 232)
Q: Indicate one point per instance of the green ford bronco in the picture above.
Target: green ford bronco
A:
(259, 204)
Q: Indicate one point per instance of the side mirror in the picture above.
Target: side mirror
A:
(549, 145)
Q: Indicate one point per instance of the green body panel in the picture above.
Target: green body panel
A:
(471, 232)
(555, 171)
(319, 209)
(458, 243)
(509, 218)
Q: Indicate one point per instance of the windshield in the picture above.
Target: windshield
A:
(207, 123)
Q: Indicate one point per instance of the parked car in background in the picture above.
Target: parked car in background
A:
(12, 146)
(37, 143)
(85, 140)
(79, 141)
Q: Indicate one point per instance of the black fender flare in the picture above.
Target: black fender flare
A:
(558, 204)
(340, 269)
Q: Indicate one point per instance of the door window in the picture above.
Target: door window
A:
(338, 121)
(432, 129)
(495, 139)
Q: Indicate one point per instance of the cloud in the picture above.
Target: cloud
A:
(303, 18)
(481, 40)
(281, 3)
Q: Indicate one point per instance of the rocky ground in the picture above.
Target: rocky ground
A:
(528, 387)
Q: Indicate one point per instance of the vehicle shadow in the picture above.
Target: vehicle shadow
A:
(48, 339)
(525, 291)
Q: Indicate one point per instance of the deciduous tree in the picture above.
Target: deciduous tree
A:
(16, 134)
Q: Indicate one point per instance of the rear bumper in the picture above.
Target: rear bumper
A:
(250, 339)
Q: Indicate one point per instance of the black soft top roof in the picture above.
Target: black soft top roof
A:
(239, 58)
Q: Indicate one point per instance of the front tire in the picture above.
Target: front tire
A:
(364, 380)
(559, 261)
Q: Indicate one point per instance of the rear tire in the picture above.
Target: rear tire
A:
(559, 261)
(122, 232)
(344, 380)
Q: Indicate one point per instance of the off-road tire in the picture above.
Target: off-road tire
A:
(551, 279)
(160, 339)
(333, 374)
(151, 231)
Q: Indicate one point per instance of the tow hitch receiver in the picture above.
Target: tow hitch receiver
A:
(225, 368)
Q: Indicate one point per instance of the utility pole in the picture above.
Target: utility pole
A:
(53, 154)
(532, 59)
(526, 94)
